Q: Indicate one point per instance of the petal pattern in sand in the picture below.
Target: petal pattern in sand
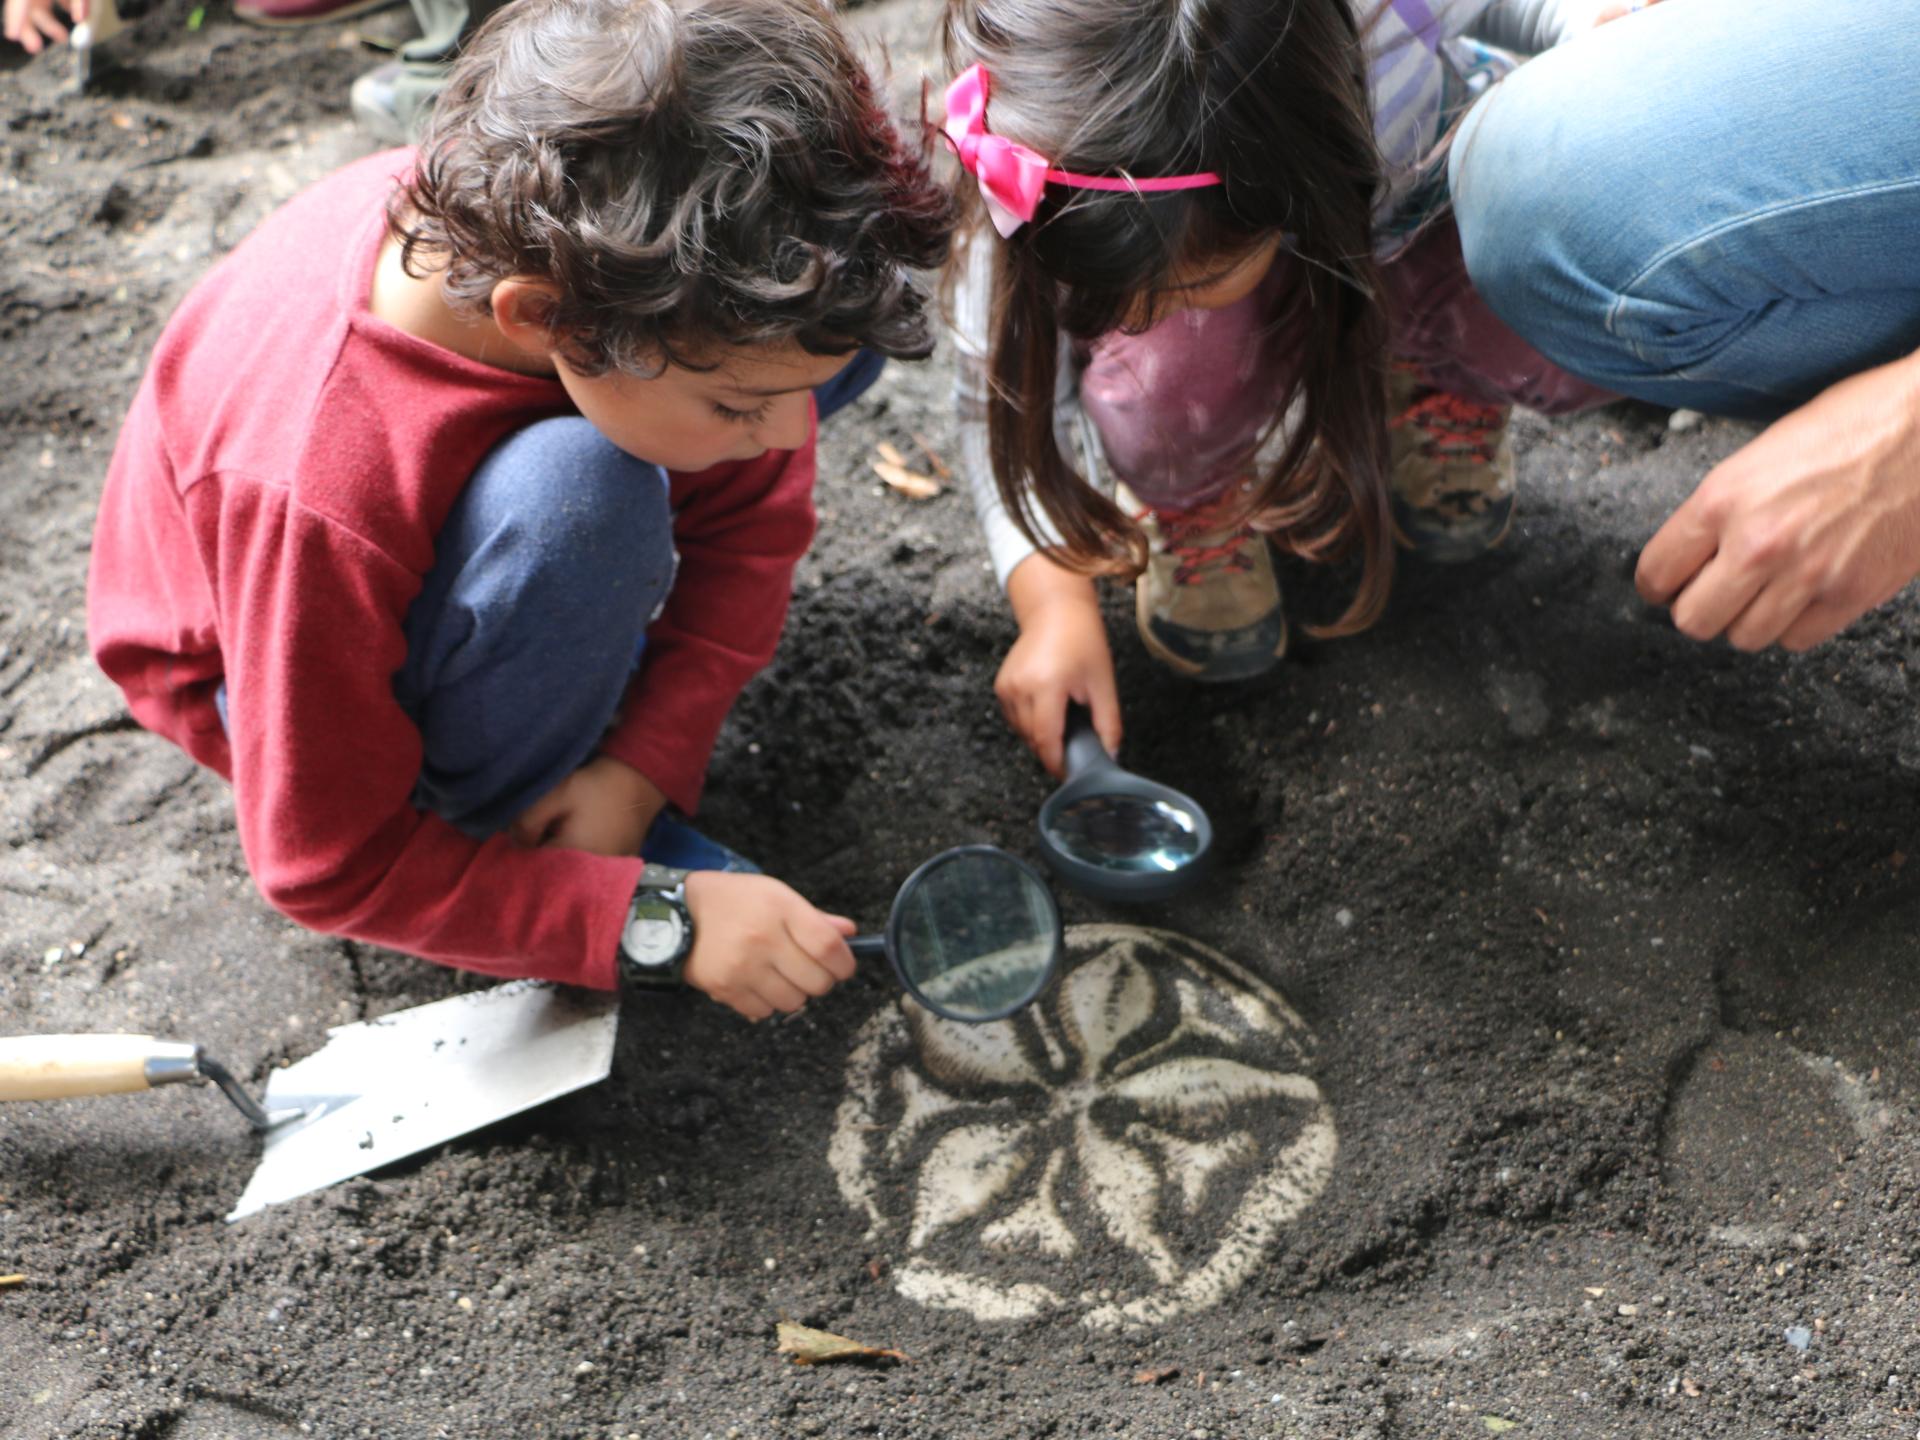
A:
(1155, 1103)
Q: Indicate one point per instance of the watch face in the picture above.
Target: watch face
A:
(655, 932)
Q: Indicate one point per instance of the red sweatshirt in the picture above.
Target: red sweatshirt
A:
(269, 515)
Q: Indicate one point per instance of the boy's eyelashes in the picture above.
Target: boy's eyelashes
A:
(742, 417)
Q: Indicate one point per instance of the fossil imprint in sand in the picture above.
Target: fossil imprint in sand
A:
(1128, 1149)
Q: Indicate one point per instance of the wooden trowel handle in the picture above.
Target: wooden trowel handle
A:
(54, 1067)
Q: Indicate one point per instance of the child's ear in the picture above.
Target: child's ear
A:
(523, 312)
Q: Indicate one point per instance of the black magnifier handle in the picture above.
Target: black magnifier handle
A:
(1084, 750)
(868, 947)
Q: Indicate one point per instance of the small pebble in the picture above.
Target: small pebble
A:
(585, 1367)
(465, 1302)
(770, 1262)
(1681, 421)
(1799, 1336)
(1343, 917)
(1629, 1310)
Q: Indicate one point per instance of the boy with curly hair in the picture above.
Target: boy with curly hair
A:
(461, 500)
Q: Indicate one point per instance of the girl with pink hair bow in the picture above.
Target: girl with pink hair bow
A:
(1271, 276)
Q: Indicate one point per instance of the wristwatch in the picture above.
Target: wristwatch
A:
(658, 936)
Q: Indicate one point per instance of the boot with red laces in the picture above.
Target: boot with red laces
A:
(1208, 605)
(1452, 480)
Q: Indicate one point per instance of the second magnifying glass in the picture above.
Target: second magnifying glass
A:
(974, 934)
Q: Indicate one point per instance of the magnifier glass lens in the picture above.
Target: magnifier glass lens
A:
(1126, 833)
(976, 936)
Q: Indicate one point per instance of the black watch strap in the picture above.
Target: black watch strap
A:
(658, 935)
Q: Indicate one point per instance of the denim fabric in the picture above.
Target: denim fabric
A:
(1712, 203)
(552, 564)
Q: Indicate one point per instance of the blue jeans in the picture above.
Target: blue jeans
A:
(552, 565)
(1712, 203)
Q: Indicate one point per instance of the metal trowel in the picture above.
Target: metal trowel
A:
(376, 1092)
(381, 1090)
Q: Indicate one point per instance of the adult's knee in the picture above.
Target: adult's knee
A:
(1536, 233)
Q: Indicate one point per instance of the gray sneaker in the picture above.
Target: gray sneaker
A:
(392, 103)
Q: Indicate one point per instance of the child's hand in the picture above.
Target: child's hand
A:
(1061, 655)
(606, 806)
(31, 22)
(758, 947)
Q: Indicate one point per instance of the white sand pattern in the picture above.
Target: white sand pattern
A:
(1151, 1108)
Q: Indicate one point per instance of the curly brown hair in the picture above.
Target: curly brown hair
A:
(689, 174)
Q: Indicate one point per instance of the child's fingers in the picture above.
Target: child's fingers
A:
(749, 1006)
(1046, 727)
(538, 820)
(820, 942)
(1103, 699)
(779, 992)
(805, 973)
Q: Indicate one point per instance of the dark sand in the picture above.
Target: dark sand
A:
(1607, 939)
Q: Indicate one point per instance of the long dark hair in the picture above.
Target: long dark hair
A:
(1269, 94)
(688, 173)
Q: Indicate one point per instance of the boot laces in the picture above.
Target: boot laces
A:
(1454, 428)
(1206, 540)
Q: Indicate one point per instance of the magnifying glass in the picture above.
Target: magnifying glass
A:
(1115, 835)
(973, 936)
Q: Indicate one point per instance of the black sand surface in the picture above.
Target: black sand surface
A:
(1607, 942)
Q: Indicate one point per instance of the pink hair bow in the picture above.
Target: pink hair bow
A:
(1012, 176)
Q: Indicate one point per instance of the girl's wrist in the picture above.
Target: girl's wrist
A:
(1037, 585)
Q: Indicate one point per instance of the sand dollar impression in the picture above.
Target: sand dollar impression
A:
(1128, 1149)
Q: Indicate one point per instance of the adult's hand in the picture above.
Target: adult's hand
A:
(1806, 528)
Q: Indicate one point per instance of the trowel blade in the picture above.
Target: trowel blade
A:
(381, 1090)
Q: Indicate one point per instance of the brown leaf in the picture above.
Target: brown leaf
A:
(909, 483)
(934, 462)
(1156, 1375)
(821, 1347)
(876, 1267)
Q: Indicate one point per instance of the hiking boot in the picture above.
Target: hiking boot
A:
(1208, 605)
(391, 103)
(1452, 476)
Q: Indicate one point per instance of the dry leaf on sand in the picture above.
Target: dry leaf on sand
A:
(909, 483)
(820, 1347)
(934, 462)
